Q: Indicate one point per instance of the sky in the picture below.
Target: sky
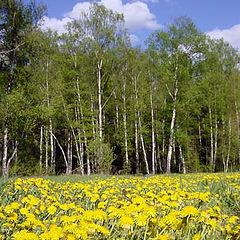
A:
(218, 18)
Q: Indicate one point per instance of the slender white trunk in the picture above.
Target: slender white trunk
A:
(182, 160)
(229, 145)
(100, 127)
(211, 139)
(136, 126)
(171, 139)
(159, 158)
(215, 145)
(5, 153)
(15, 148)
(162, 160)
(136, 143)
(87, 157)
(172, 126)
(200, 133)
(12, 157)
(46, 130)
(63, 153)
(46, 150)
(41, 150)
(143, 145)
(116, 109)
(153, 136)
(52, 159)
(140, 125)
(69, 153)
(125, 121)
(77, 140)
(5, 161)
(238, 130)
(79, 117)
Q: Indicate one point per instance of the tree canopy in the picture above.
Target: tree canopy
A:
(88, 102)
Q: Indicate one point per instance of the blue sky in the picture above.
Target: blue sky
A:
(218, 18)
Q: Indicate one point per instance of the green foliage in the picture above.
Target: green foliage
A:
(93, 151)
(50, 82)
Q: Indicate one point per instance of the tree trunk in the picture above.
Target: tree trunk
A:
(171, 139)
(143, 145)
(5, 153)
(100, 119)
(238, 131)
(153, 135)
(182, 160)
(172, 127)
(46, 150)
(215, 145)
(87, 157)
(125, 121)
(163, 144)
(69, 153)
(211, 139)
(116, 111)
(52, 159)
(136, 143)
(229, 145)
(79, 117)
(41, 150)
(63, 153)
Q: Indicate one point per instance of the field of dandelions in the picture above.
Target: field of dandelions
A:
(193, 206)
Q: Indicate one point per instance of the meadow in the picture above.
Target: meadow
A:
(192, 206)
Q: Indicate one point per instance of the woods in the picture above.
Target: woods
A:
(87, 100)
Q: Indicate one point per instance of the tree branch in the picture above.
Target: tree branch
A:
(12, 50)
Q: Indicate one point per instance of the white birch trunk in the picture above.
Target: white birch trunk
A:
(41, 150)
(153, 136)
(52, 159)
(63, 153)
(172, 126)
(215, 145)
(46, 150)
(163, 143)
(140, 126)
(77, 140)
(229, 145)
(143, 145)
(136, 143)
(182, 160)
(125, 121)
(116, 109)
(238, 130)
(211, 139)
(87, 157)
(100, 119)
(5, 154)
(46, 130)
(171, 139)
(69, 153)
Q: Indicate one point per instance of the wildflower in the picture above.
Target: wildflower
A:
(24, 235)
(126, 222)
(51, 210)
(189, 211)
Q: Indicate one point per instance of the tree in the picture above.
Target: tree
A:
(16, 22)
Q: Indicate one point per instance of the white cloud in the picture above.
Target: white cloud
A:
(153, 1)
(137, 15)
(78, 10)
(55, 24)
(231, 35)
(134, 39)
